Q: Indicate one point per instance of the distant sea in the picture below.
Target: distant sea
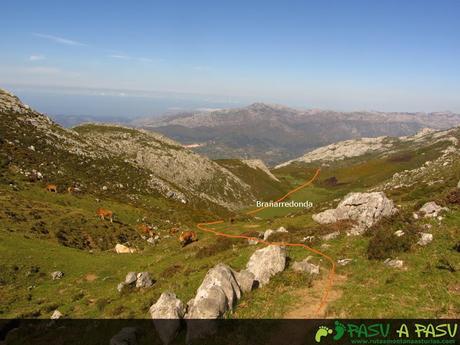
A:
(71, 106)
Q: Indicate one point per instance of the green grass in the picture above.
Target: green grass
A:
(35, 224)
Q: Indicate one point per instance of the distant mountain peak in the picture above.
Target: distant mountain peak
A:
(260, 106)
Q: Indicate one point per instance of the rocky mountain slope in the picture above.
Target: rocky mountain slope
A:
(276, 133)
(113, 159)
(381, 145)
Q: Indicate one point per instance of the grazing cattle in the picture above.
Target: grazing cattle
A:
(51, 188)
(146, 229)
(187, 237)
(73, 190)
(121, 249)
(103, 213)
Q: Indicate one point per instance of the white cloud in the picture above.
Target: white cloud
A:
(60, 40)
(119, 56)
(36, 57)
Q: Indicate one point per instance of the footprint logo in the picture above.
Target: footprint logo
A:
(339, 330)
(322, 331)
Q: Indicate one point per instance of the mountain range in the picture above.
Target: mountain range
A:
(276, 133)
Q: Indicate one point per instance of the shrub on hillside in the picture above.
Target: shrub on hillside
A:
(221, 244)
(453, 198)
(384, 243)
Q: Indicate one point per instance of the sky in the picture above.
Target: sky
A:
(136, 58)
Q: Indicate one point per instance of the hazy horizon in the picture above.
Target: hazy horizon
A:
(126, 105)
(354, 55)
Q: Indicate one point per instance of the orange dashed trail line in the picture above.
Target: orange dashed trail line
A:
(203, 227)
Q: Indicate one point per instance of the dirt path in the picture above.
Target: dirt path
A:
(328, 280)
(307, 299)
(295, 331)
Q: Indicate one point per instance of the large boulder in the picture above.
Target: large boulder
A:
(365, 209)
(218, 293)
(267, 262)
(245, 280)
(167, 313)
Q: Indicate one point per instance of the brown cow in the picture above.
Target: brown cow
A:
(51, 188)
(146, 229)
(187, 237)
(102, 213)
(73, 189)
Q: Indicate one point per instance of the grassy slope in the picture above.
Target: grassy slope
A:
(263, 186)
(88, 288)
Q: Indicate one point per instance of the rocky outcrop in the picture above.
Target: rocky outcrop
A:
(270, 232)
(431, 210)
(217, 294)
(259, 164)
(143, 280)
(305, 266)
(167, 313)
(431, 171)
(344, 149)
(267, 262)
(176, 172)
(365, 209)
(425, 238)
(11, 103)
(139, 280)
